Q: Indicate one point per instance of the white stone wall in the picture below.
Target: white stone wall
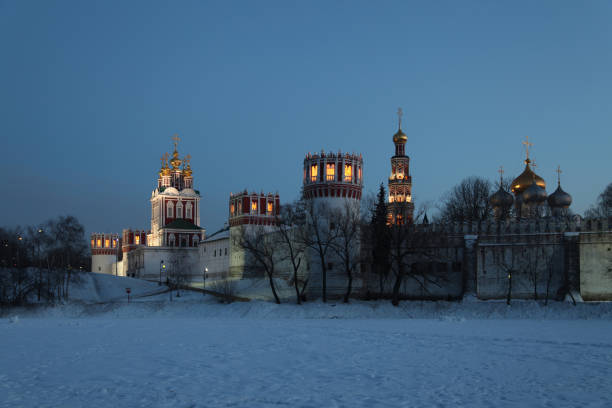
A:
(215, 255)
(103, 264)
(595, 266)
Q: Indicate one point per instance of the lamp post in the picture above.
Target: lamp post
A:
(204, 280)
(116, 256)
(161, 266)
(509, 287)
(39, 284)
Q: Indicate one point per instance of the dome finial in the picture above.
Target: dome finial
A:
(527, 146)
(501, 175)
(176, 161)
(400, 113)
(558, 176)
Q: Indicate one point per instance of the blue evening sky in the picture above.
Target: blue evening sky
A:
(92, 92)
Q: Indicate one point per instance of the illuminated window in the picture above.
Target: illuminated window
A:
(232, 209)
(313, 172)
(92, 243)
(360, 173)
(270, 207)
(107, 243)
(114, 243)
(254, 206)
(331, 171)
(348, 172)
(137, 239)
(99, 243)
(179, 210)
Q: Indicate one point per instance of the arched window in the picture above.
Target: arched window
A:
(188, 210)
(170, 210)
(179, 210)
(172, 240)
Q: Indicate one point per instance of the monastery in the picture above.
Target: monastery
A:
(487, 259)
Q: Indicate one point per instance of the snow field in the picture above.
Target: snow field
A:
(251, 362)
(100, 351)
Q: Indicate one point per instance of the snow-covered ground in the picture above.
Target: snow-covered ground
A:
(193, 362)
(195, 352)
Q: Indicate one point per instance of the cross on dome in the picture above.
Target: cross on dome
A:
(558, 171)
(176, 139)
(527, 146)
(400, 113)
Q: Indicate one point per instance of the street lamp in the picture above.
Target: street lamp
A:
(204, 280)
(161, 266)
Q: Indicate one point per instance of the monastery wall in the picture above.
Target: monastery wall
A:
(595, 260)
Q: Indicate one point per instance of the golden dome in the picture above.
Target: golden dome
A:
(525, 179)
(187, 171)
(400, 137)
(175, 162)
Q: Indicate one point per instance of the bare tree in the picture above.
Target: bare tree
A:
(413, 256)
(319, 235)
(66, 248)
(59, 245)
(468, 201)
(261, 249)
(225, 287)
(290, 226)
(180, 268)
(346, 244)
(603, 207)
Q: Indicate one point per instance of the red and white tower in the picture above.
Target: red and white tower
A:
(400, 208)
(333, 177)
(249, 212)
(175, 205)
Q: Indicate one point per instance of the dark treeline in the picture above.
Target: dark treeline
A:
(40, 263)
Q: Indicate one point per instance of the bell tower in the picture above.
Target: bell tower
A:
(175, 205)
(400, 208)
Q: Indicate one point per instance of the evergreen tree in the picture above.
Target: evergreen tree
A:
(380, 238)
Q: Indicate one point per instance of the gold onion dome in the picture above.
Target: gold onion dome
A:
(187, 171)
(400, 137)
(525, 179)
(502, 198)
(176, 161)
